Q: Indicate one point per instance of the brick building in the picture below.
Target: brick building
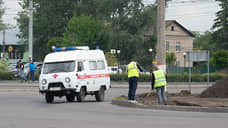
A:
(178, 40)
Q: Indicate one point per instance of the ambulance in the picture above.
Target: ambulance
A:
(74, 72)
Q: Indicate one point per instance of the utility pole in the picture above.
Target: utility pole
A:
(30, 29)
(4, 44)
(161, 52)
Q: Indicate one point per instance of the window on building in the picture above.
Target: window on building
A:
(167, 46)
(178, 46)
(178, 63)
(172, 28)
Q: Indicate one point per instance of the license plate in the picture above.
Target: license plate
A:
(55, 89)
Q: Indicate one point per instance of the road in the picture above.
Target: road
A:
(24, 107)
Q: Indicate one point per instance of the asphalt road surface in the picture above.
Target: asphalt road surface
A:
(26, 108)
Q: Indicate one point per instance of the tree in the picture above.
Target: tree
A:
(2, 26)
(220, 27)
(220, 59)
(125, 24)
(83, 31)
(204, 42)
(50, 20)
(111, 59)
(170, 58)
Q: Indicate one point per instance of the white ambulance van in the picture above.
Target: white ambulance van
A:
(74, 72)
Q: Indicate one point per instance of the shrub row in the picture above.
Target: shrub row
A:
(143, 77)
(172, 77)
(6, 75)
(10, 76)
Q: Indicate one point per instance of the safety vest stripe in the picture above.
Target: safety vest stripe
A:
(160, 78)
(160, 81)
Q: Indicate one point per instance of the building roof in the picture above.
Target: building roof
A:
(10, 36)
(168, 22)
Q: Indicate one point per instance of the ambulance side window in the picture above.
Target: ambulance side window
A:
(100, 65)
(80, 66)
(92, 65)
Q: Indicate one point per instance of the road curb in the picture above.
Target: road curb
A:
(125, 103)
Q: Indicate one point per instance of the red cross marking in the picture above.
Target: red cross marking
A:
(55, 76)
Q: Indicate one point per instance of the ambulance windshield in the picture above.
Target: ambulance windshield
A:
(56, 67)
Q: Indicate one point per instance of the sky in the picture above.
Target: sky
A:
(195, 15)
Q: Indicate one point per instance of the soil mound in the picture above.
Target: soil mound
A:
(217, 90)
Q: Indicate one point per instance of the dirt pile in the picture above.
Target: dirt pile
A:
(217, 90)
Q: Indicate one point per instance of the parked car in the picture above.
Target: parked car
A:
(114, 69)
(38, 66)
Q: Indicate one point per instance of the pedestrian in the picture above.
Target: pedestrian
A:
(21, 71)
(158, 81)
(133, 75)
(32, 70)
(18, 68)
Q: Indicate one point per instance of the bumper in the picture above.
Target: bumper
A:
(59, 92)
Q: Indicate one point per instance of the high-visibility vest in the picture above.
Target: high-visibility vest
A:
(160, 79)
(132, 70)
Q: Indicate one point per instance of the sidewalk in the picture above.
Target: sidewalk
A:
(7, 83)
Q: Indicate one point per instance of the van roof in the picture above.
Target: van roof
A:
(74, 55)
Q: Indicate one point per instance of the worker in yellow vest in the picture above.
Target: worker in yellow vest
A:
(159, 83)
(133, 75)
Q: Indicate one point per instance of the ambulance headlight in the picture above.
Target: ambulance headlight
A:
(67, 79)
(44, 81)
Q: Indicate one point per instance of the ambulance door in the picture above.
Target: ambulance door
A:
(92, 76)
(81, 74)
(102, 79)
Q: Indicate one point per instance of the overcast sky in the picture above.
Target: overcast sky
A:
(195, 15)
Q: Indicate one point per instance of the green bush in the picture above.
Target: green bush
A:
(3, 66)
(172, 77)
(5, 75)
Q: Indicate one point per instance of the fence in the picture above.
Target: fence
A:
(194, 70)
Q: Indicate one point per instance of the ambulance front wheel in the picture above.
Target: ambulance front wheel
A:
(49, 98)
(99, 95)
(70, 97)
(81, 95)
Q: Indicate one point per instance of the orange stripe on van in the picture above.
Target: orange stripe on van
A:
(93, 76)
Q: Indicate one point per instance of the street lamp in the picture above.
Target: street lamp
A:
(116, 51)
(151, 51)
(184, 60)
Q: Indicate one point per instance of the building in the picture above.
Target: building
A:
(179, 40)
(13, 48)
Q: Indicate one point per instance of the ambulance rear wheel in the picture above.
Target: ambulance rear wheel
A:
(81, 95)
(49, 98)
(70, 98)
(99, 95)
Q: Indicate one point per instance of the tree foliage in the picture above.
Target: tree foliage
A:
(220, 35)
(220, 59)
(170, 58)
(111, 59)
(111, 24)
(83, 31)
(204, 42)
(2, 26)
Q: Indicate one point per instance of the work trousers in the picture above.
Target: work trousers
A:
(32, 75)
(22, 75)
(133, 82)
(161, 94)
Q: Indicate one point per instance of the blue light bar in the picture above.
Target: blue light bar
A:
(71, 48)
(57, 49)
